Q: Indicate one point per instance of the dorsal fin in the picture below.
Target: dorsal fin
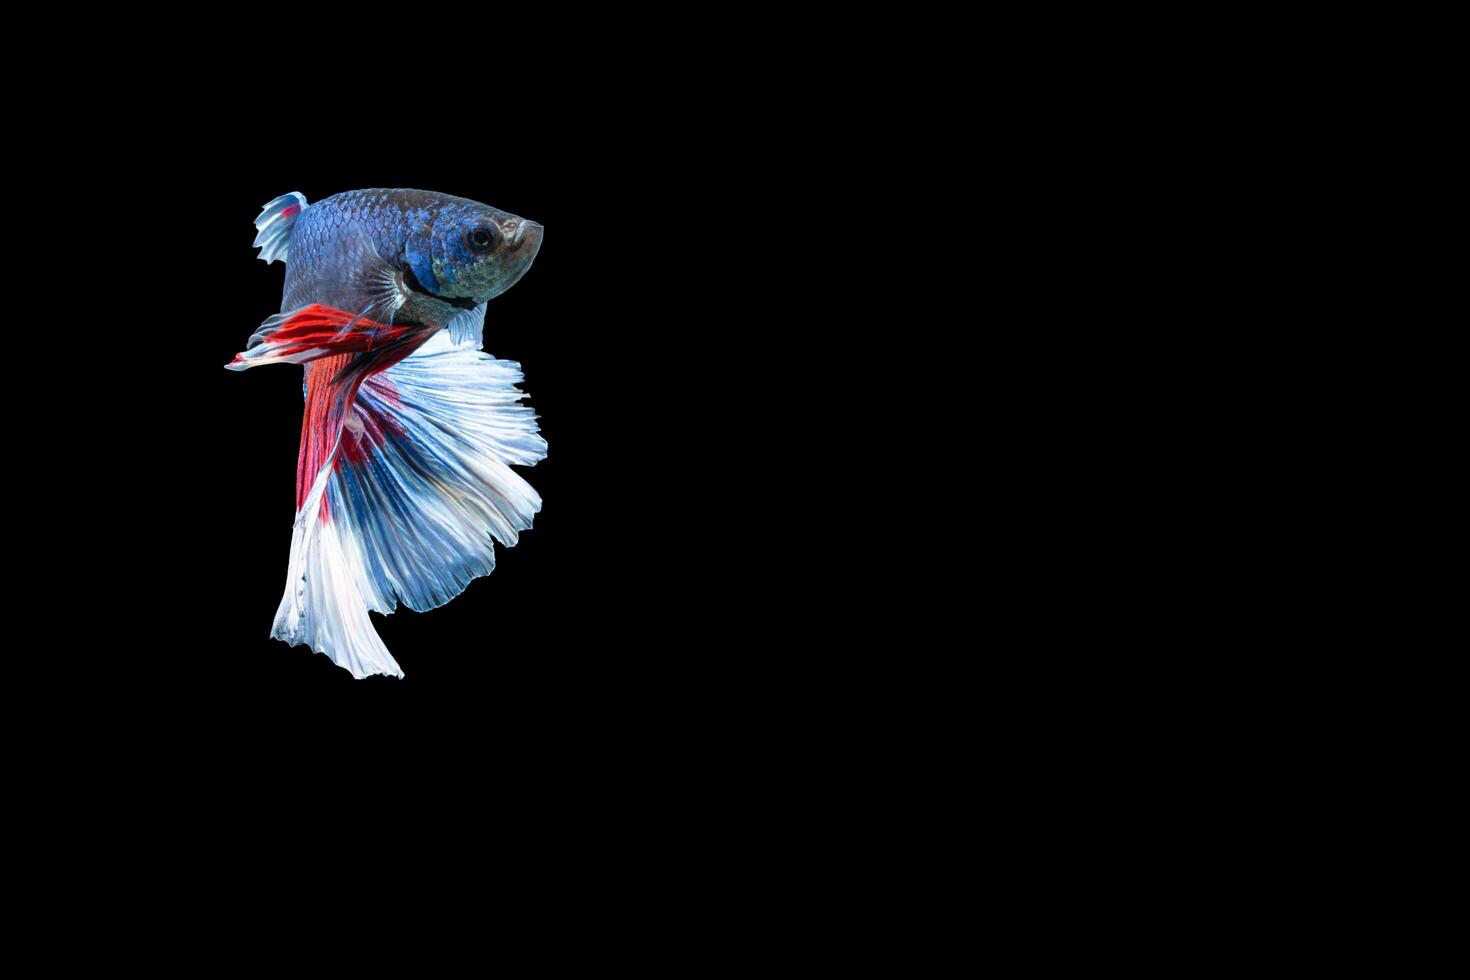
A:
(275, 224)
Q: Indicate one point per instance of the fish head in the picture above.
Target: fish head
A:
(471, 253)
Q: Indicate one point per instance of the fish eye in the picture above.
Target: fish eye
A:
(484, 239)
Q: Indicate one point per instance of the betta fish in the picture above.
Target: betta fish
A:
(403, 479)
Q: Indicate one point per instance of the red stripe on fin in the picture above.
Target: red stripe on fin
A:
(314, 332)
(332, 383)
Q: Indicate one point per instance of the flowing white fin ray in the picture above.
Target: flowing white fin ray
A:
(417, 489)
(468, 327)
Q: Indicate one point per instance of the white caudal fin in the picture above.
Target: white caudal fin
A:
(275, 223)
(322, 607)
(416, 490)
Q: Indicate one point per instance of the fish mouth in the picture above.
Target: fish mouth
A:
(411, 281)
(519, 238)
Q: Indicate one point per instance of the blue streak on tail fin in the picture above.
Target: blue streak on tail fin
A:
(426, 485)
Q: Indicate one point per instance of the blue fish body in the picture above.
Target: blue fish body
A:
(343, 246)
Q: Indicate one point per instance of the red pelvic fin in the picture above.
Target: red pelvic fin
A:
(313, 332)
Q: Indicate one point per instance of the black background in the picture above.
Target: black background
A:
(695, 566)
(691, 604)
